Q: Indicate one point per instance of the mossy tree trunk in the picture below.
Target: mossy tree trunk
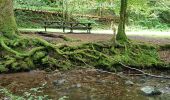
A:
(8, 24)
(121, 35)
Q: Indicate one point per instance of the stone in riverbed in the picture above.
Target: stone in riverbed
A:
(142, 81)
(129, 83)
(150, 91)
(59, 82)
(78, 85)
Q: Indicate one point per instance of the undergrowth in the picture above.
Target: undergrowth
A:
(31, 94)
(36, 20)
(23, 54)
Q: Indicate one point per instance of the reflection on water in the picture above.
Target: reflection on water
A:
(85, 84)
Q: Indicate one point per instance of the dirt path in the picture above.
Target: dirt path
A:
(104, 37)
(150, 33)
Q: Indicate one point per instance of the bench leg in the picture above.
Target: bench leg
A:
(45, 29)
(88, 31)
(71, 30)
(64, 30)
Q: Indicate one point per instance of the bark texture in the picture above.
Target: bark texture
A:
(121, 35)
(8, 24)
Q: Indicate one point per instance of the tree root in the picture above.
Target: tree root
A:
(144, 73)
(10, 49)
(46, 55)
(18, 53)
(57, 36)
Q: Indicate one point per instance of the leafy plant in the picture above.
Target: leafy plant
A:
(32, 94)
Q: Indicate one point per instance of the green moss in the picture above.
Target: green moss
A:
(39, 55)
(3, 68)
(49, 63)
(104, 55)
(121, 37)
(7, 21)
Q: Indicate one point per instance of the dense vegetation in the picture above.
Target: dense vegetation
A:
(148, 14)
(99, 55)
(24, 53)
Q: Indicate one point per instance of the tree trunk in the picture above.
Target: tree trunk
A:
(8, 24)
(121, 36)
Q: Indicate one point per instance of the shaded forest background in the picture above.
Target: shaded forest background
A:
(143, 14)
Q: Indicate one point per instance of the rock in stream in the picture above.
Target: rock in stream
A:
(150, 91)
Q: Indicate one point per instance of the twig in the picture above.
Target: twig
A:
(134, 74)
(103, 71)
(144, 73)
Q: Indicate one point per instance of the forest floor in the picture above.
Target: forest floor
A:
(81, 38)
(88, 84)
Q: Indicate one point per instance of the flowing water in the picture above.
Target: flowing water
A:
(84, 84)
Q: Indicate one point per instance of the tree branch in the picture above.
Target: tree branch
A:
(144, 73)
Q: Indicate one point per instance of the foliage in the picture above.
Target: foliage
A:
(149, 13)
(38, 4)
(32, 94)
(146, 13)
(25, 53)
(36, 20)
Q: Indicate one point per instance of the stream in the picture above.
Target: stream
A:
(84, 84)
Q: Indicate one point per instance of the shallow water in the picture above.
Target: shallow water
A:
(84, 84)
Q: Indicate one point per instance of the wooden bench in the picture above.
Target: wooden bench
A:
(68, 25)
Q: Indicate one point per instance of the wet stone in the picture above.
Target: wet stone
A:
(78, 85)
(129, 83)
(165, 90)
(163, 81)
(150, 91)
(142, 81)
(59, 82)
